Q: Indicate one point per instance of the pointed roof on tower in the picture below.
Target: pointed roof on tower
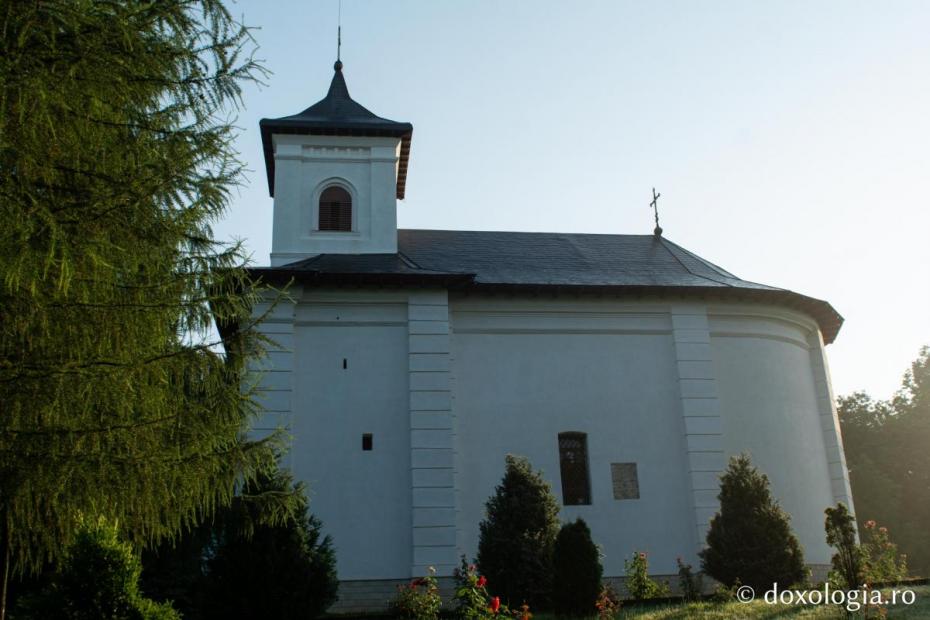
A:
(337, 114)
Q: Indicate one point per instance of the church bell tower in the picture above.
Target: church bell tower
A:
(335, 172)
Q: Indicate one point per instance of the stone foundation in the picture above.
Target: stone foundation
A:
(373, 596)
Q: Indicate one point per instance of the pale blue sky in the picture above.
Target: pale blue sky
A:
(790, 140)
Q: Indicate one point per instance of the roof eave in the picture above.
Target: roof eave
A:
(827, 318)
(308, 276)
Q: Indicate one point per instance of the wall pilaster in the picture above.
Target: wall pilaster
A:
(431, 434)
(829, 422)
(275, 371)
(700, 407)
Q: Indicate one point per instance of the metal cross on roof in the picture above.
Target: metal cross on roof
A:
(655, 205)
(339, 34)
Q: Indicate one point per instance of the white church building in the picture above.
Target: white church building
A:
(408, 363)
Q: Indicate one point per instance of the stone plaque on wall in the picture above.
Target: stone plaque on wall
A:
(625, 480)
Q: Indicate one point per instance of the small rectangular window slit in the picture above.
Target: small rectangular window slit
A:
(345, 363)
(366, 441)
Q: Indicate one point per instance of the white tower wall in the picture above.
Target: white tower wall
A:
(304, 166)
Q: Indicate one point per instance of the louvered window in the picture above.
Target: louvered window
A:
(335, 209)
(573, 463)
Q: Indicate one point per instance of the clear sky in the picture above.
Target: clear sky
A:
(790, 140)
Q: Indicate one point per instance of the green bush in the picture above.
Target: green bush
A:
(691, 584)
(151, 610)
(517, 537)
(260, 570)
(638, 582)
(98, 579)
(577, 571)
(883, 564)
(473, 601)
(419, 599)
(471, 598)
(608, 603)
(848, 561)
(750, 539)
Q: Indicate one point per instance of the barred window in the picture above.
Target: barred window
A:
(573, 465)
(335, 209)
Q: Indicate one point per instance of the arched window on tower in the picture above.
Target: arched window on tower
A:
(573, 465)
(335, 209)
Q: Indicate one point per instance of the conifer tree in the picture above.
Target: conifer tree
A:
(750, 539)
(577, 571)
(518, 535)
(115, 158)
(285, 571)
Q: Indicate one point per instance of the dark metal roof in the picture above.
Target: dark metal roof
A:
(638, 264)
(337, 114)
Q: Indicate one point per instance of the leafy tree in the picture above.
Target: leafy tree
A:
(889, 466)
(284, 571)
(115, 158)
(848, 561)
(577, 571)
(750, 539)
(518, 535)
(98, 580)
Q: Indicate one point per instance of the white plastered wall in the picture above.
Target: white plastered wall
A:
(449, 384)
(771, 407)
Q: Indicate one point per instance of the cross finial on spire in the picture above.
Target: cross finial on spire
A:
(655, 205)
(339, 34)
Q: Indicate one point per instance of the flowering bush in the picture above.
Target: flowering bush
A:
(472, 600)
(419, 599)
(882, 562)
(638, 582)
(607, 603)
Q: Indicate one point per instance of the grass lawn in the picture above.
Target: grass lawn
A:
(760, 609)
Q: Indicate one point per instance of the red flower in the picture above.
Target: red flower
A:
(482, 581)
(642, 556)
(870, 524)
(495, 604)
